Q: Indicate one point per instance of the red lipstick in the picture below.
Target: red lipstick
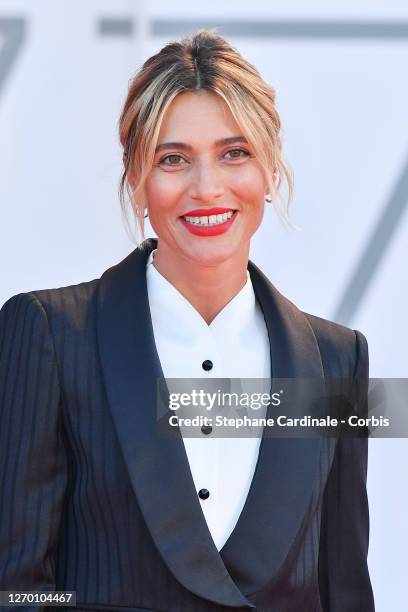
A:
(208, 230)
(202, 212)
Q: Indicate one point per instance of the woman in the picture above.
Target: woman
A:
(94, 500)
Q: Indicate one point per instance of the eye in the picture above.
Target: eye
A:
(237, 153)
(171, 160)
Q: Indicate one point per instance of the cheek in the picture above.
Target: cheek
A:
(162, 192)
(249, 185)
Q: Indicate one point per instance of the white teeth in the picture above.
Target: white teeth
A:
(210, 220)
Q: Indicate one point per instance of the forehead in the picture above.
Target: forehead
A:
(197, 114)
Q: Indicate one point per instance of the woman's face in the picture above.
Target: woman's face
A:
(203, 168)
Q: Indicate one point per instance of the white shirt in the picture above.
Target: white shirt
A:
(237, 343)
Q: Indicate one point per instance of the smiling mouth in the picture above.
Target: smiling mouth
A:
(210, 220)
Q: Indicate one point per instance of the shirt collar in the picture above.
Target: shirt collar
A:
(167, 302)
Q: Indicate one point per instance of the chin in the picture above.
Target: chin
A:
(210, 256)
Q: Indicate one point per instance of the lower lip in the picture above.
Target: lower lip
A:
(212, 230)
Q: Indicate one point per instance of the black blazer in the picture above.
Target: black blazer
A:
(93, 501)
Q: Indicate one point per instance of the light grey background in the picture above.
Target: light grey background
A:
(342, 92)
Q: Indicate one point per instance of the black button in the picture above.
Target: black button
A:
(206, 429)
(204, 493)
(207, 365)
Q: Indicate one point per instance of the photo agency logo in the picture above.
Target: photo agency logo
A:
(284, 408)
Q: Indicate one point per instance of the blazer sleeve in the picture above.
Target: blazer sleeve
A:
(344, 580)
(33, 463)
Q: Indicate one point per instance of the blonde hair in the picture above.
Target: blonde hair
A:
(201, 61)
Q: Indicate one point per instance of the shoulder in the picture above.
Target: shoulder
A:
(71, 304)
(342, 348)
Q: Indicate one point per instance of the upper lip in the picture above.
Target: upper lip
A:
(203, 212)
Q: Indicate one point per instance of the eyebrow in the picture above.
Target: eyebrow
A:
(186, 147)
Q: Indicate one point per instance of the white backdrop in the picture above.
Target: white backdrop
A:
(340, 75)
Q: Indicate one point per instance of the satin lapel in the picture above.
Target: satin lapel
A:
(286, 471)
(158, 466)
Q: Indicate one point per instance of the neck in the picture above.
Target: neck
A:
(207, 288)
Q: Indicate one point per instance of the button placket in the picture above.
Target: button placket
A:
(207, 365)
(217, 499)
(211, 360)
(206, 478)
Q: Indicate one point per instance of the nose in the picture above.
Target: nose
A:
(206, 184)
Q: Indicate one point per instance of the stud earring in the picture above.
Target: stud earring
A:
(146, 214)
(268, 198)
